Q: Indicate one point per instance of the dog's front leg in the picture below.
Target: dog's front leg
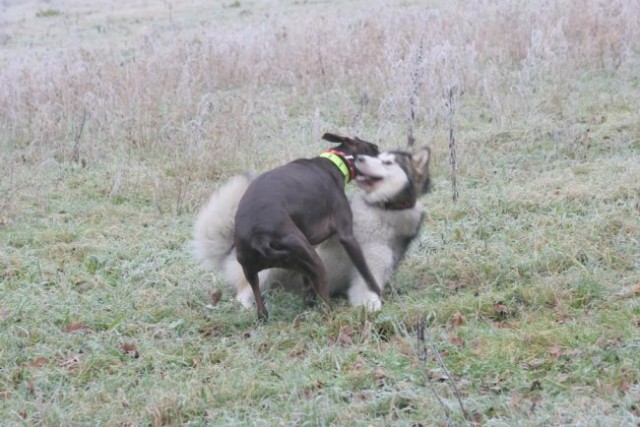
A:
(354, 251)
(379, 260)
(359, 294)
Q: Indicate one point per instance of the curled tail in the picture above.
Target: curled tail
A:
(213, 230)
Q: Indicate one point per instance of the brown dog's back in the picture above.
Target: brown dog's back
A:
(298, 192)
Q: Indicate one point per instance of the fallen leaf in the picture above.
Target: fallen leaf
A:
(379, 374)
(130, 349)
(458, 319)
(362, 396)
(478, 419)
(6, 394)
(457, 341)
(499, 309)
(555, 352)
(39, 362)
(215, 296)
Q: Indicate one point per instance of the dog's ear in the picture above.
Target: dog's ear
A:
(421, 164)
(421, 158)
(332, 137)
(356, 144)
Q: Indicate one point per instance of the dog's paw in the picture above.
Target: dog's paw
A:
(370, 300)
(245, 297)
(374, 303)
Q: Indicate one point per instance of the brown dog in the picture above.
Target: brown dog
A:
(286, 211)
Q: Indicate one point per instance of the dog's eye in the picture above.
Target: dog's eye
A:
(387, 162)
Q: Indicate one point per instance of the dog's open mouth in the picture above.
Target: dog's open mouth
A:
(366, 181)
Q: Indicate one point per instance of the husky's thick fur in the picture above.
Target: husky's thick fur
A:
(385, 221)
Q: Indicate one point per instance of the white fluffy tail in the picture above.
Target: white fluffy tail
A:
(213, 230)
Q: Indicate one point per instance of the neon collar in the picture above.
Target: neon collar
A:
(341, 161)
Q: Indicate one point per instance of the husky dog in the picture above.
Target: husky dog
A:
(385, 221)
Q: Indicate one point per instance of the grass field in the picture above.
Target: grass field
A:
(118, 119)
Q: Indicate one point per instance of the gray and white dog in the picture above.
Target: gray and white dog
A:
(385, 221)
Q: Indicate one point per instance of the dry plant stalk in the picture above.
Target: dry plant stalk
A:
(422, 351)
(423, 355)
(416, 77)
(75, 155)
(451, 111)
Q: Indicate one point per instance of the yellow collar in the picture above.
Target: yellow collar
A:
(340, 163)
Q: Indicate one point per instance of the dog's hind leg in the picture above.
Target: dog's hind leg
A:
(307, 291)
(254, 281)
(315, 281)
(303, 258)
(314, 275)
